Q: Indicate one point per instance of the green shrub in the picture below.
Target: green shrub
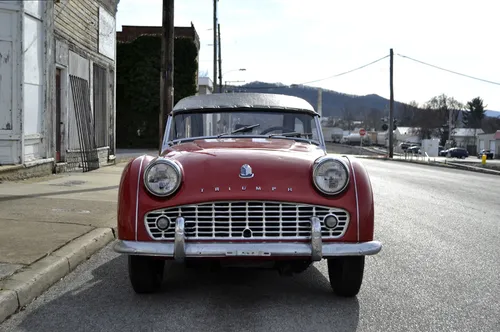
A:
(138, 87)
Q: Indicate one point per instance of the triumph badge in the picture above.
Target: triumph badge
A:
(246, 172)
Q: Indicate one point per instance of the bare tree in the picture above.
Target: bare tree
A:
(442, 109)
(203, 73)
(426, 123)
(371, 118)
(409, 114)
(347, 117)
(442, 105)
(490, 124)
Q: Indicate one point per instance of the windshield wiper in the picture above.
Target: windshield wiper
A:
(298, 138)
(292, 133)
(246, 128)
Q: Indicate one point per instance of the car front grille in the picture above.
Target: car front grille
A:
(246, 220)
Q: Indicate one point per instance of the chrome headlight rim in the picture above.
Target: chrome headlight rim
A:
(325, 159)
(170, 163)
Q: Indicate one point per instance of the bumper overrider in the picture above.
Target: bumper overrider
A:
(179, 249)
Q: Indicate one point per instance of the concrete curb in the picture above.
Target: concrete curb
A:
(438, 164)
(23, 287)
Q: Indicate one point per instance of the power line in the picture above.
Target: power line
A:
(322, 79)
(346, 72)
(450, 71)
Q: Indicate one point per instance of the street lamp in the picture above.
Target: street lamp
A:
(229, 71)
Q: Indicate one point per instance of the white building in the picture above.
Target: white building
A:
(406, 134)
(205, 86)
(489, 142)
(57, 72)
(465, 136)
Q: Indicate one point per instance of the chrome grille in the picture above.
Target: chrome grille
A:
(246, 220)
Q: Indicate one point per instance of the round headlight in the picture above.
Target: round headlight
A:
(330, 176)
(162, 177)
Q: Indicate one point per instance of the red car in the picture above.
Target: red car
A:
(245, 178)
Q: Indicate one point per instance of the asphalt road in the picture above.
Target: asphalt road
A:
(439, 270)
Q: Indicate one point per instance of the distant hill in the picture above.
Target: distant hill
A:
(333, 101)
(493, 114)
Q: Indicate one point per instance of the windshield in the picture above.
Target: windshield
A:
(290, 125)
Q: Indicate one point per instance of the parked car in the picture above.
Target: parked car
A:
(246, 178)
(455, 153)
(404, 146)
(488, 153)
(414, 149)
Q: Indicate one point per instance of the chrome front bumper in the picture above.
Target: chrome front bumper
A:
(179, 249)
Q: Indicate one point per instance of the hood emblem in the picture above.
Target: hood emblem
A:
(246, 172)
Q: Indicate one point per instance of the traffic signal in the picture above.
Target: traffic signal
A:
(385, 126)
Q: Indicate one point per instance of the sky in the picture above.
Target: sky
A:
(297, 41)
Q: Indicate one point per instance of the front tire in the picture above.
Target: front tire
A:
(346, 275)
(145, 273)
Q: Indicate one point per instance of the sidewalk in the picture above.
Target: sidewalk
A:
(438, 162)
(49, 226)
(124, 155)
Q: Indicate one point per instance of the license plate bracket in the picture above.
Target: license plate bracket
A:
(248, 253)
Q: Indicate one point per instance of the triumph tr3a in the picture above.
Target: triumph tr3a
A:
(245, 178)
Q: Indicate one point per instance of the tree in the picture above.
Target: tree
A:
(347, 117)
(443, 109)
(490, 124)
(473, 117)
(427, 123)
(409, 114)
(138, 87)
(371, 118)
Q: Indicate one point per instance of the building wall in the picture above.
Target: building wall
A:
(85, 33)
(487, 142)
(29, 42)
(205, 86)
(204, 90)
(131, 32)
(34, 68)
(11, 135)
(463, 141)
(78, 22)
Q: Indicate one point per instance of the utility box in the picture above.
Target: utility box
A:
(431, 146)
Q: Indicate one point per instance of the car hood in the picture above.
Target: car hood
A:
(214, 166)
(261, 154)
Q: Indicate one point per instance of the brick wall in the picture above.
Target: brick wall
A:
(131, 32)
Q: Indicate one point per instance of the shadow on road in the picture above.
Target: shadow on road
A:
(55, 193)
(194, 300)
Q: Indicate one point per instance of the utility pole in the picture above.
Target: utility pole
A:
(391, 106)
(215, 44)
(167, 66)
(449, 125)
(320, 102)
(220, 59)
